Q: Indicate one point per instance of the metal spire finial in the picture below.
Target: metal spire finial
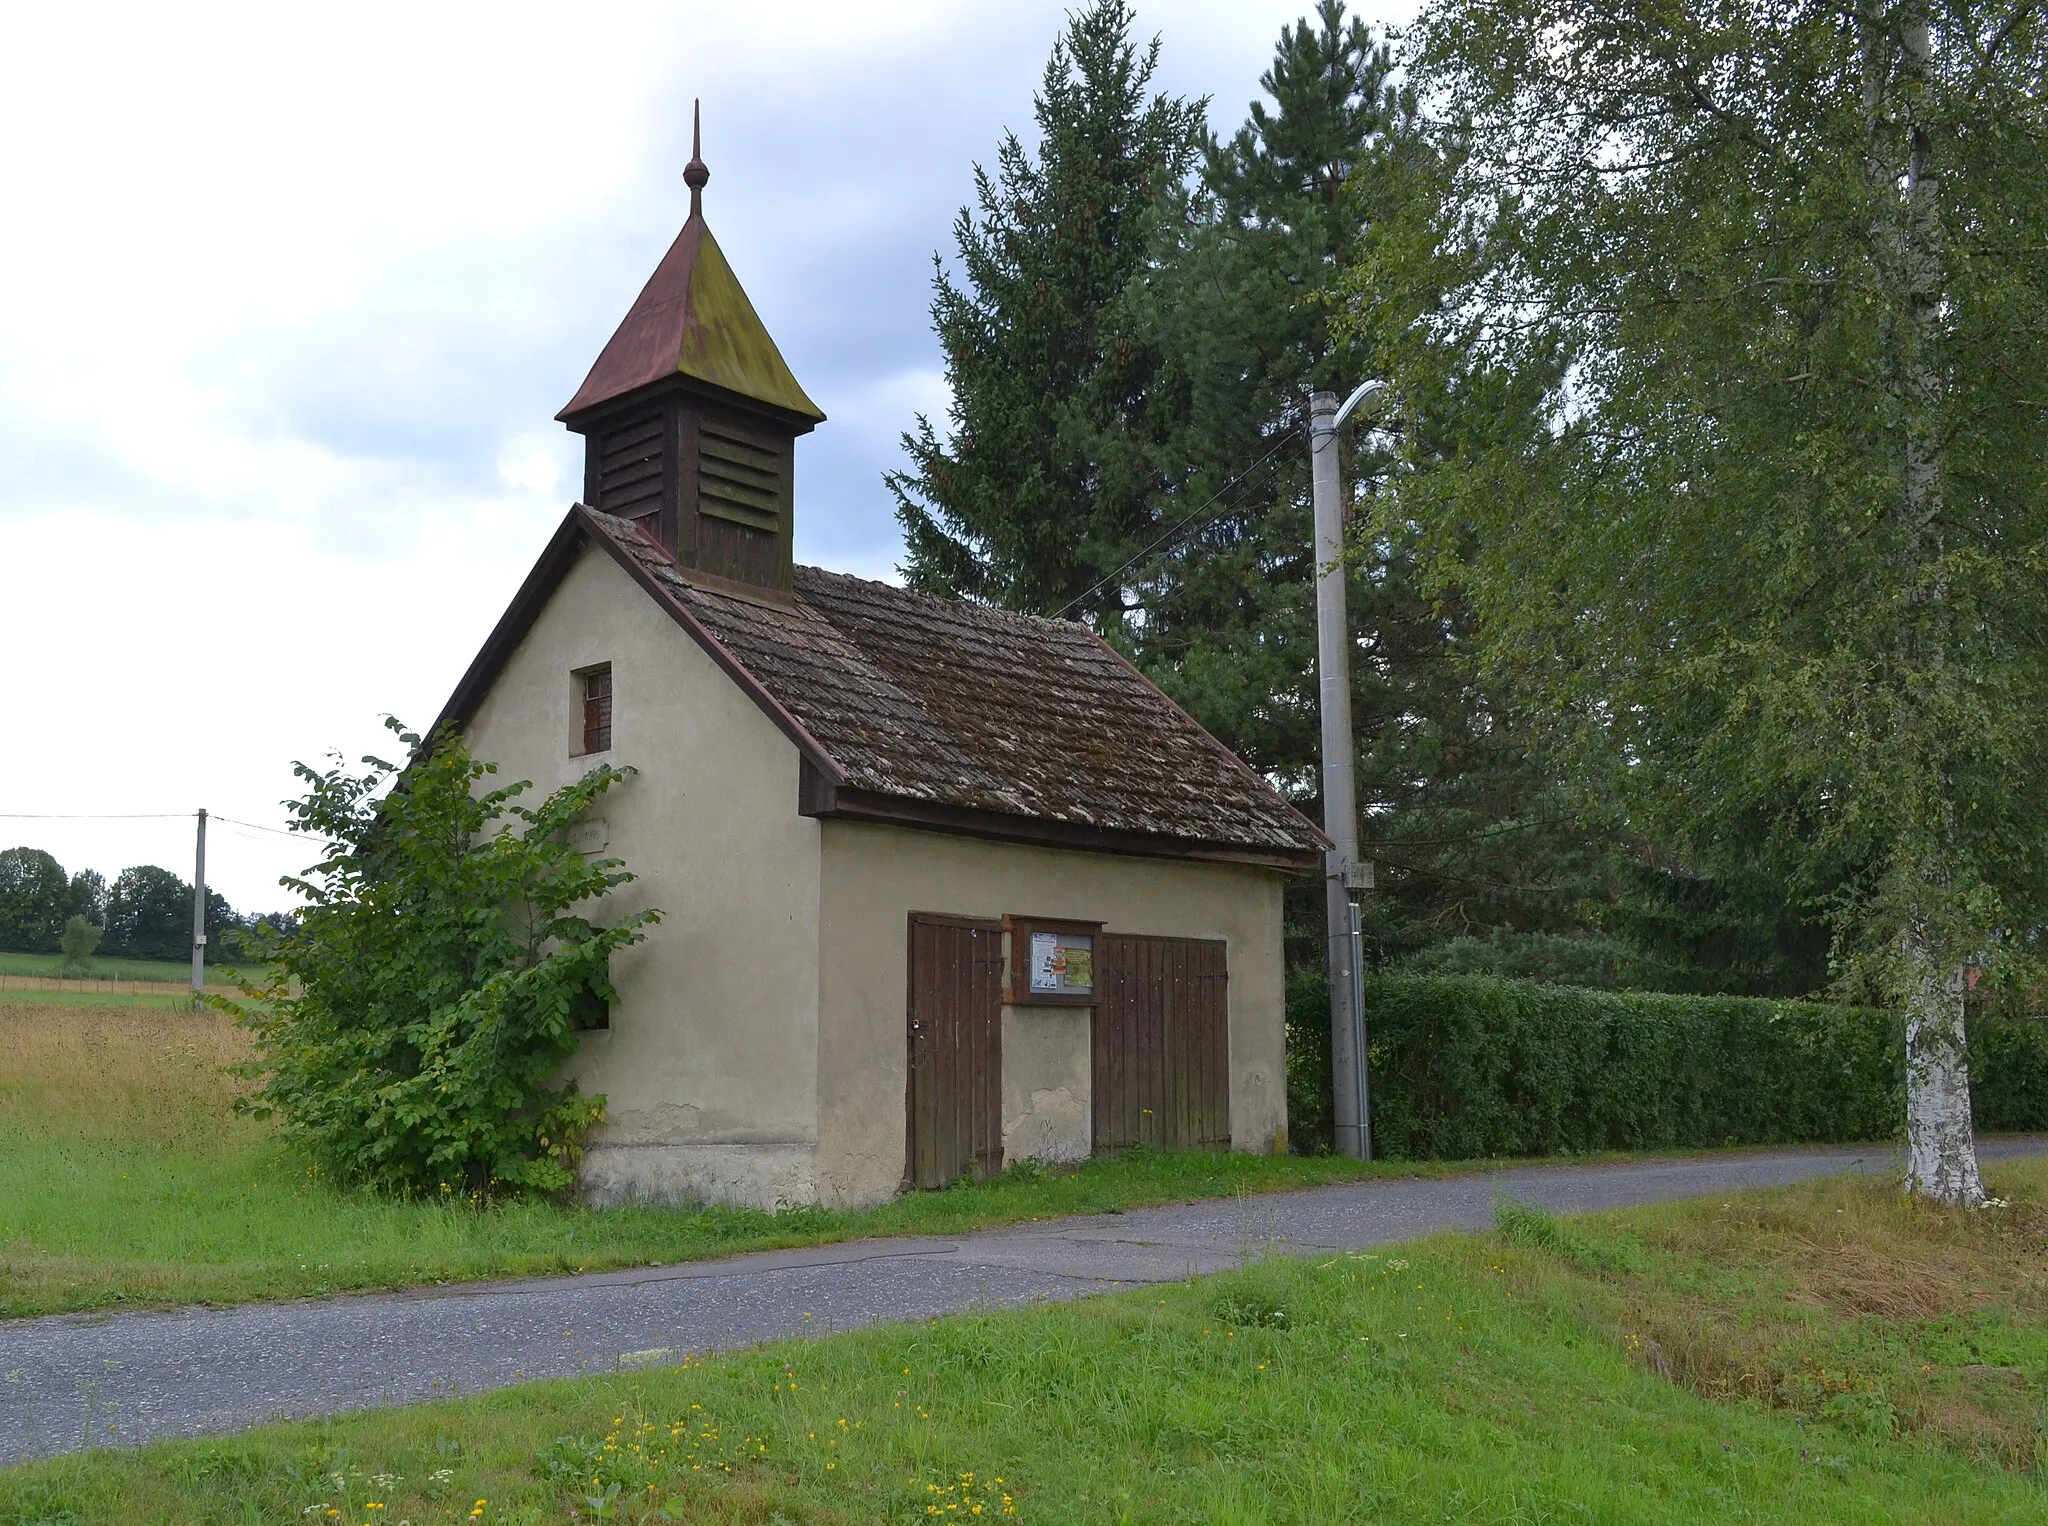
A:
(695, 173)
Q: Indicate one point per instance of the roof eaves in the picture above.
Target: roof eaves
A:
(553, 565)
(1257, 779)
(737, 671)
(879, 808)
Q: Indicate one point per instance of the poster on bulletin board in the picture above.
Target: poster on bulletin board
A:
(1058, 963)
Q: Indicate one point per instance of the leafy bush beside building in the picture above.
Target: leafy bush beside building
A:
(435, 983)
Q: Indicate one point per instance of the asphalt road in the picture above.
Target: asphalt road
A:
(74, 1381)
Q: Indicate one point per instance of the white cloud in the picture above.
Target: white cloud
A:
(537, 463)
(289, 297)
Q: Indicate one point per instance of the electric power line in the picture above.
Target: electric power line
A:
(94, 815)
(1174, 530)
(273, 831)
(137, 816)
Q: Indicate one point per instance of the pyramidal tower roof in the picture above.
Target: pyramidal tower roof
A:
(693, 320)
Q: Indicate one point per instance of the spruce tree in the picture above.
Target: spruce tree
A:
(1247, 309)
(1045, 477)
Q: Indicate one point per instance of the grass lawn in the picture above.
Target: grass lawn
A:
(126, 1178)
(170, 998)
(171, 972)
(1825, 1353)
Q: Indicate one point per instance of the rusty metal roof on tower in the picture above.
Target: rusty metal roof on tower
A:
(693, 320)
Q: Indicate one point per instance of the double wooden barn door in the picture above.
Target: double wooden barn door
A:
(956, 1050)
(1161, 1063)
(1161, 1047)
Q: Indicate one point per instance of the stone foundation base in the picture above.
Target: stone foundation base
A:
(766, 1176)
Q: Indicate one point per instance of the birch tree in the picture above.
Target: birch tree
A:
(1782, 548)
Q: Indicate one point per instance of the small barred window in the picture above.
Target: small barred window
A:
(597, 709)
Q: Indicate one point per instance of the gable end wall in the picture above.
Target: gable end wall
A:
(710, 1065)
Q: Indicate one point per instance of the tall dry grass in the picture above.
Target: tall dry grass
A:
(126, 1073)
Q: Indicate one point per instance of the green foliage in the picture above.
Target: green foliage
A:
(89, 896)
(146, 914)
(1045, 476)
(35, 898)
(1773, 579)
(1466, 1067)
(149, 914)
(428, 997)
(1240, 303)
(1310, 1124)
(1130, 393)
(79, 940)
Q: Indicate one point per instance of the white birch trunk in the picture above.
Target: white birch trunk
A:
(1941, 1146)
(1941, 1142)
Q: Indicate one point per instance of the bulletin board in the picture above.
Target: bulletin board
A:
(1052, 962)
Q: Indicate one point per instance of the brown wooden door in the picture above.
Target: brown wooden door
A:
(956, 1050)
(1161, 1044)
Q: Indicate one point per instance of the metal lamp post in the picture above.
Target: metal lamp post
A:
(1344, 874)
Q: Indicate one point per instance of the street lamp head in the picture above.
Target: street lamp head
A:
(1358, 395)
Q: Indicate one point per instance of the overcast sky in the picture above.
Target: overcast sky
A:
(290, 295)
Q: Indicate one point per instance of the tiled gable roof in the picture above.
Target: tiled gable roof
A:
(956, 705)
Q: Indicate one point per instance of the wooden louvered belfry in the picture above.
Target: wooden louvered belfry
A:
(690, 418)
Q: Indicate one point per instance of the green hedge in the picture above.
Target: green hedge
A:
(1465, 1067)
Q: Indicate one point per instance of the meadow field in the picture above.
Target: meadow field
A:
(1823, 1353)
(1829, 1352)
(127, 1178)
(154, 971)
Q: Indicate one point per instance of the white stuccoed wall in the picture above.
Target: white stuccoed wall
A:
(710, 1067)
(874, 877)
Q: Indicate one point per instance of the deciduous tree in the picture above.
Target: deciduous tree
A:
(1782, 551)
(89, 895)
(431, 990)
(149, 914)
(34, 900)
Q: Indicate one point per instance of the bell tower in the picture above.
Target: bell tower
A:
(690, 416)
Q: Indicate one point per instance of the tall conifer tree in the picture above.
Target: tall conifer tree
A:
(1045, 476)
(1243, 307)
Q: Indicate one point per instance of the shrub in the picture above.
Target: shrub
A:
(1309, 1130)
(77, 944)
(1466, 1067)
(427, 998)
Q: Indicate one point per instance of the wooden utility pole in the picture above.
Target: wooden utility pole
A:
(199, 911)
